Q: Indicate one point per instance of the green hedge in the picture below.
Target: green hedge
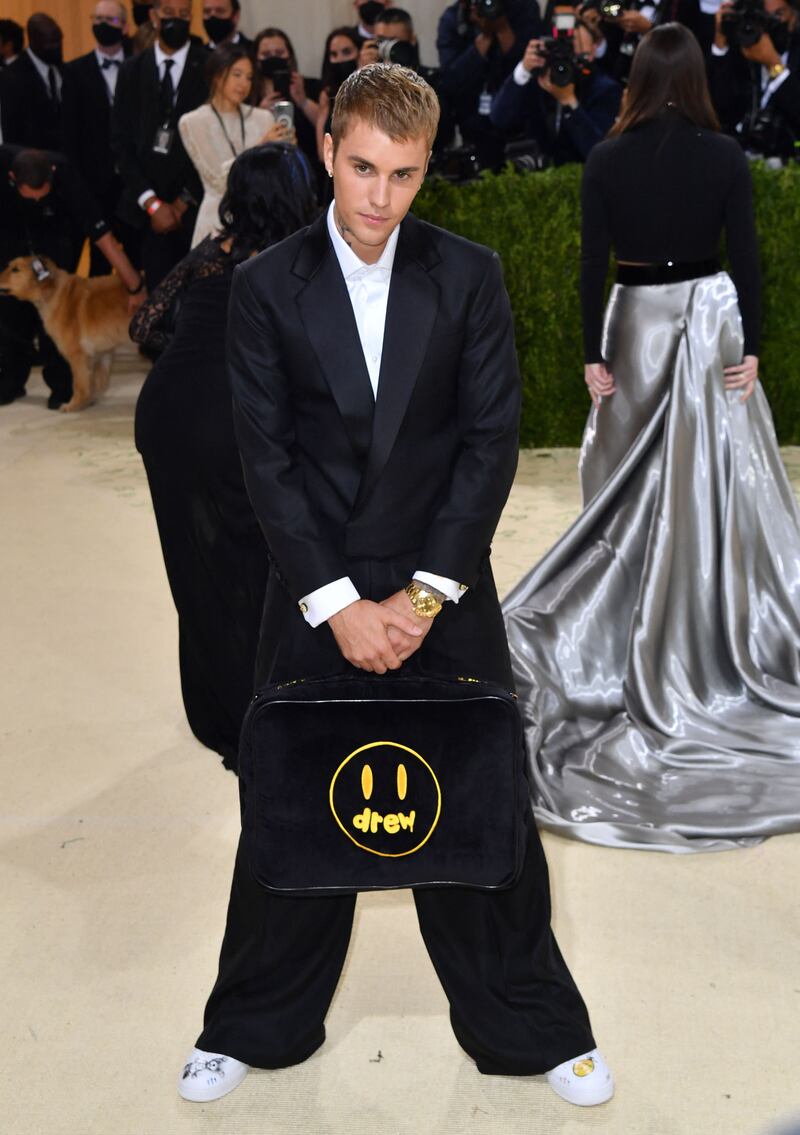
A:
(533, 221)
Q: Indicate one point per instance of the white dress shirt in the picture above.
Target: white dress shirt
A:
(368, 287)
(179, 62)
(110, 73)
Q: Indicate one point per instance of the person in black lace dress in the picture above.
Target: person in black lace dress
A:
(214, 552)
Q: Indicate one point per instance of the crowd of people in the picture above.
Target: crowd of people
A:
(151, 119)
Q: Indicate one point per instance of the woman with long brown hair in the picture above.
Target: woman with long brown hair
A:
(657, 646)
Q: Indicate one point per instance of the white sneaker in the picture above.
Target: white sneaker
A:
(209, 1076)
(586, 1080)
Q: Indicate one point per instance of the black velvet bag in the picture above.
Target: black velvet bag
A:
(371, 783)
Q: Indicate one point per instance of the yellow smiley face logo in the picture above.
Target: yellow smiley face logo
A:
(385, 798)
(583, 1067)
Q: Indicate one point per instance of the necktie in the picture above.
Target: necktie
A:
(167, 90)
(51, 78)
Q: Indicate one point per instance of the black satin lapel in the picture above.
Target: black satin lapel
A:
(329, 322)
(410, 316)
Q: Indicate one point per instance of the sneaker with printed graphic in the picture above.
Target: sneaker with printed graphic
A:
(585, 1080)
(208, 1076)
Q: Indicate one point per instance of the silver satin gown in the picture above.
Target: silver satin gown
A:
(656, 648)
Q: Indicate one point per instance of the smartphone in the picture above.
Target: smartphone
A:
(284, 112)
(282, 82)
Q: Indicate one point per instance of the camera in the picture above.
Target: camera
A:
(398, 51)
(610, 10)
(747, 21)
(457, 165)
(488, 9)
(526, 156)
(560, 60)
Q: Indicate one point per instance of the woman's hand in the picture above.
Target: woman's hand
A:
(743, 377)
(278, 132)
(600, 381)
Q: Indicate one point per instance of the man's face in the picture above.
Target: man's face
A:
(222, 9)
(375, 182)
(109, 12)
(31, 194)
(170, 10)
(782, 10)
(43, 41)
(386, 30)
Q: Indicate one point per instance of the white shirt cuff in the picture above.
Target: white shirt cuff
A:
(327, 601)
(601, 49)
(649, 12)
(143, 197)
(522, 75)
(448, 587)
(720, 51)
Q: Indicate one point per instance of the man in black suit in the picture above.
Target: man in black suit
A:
(756, 89)
(221, 23)
(376, 402)
(31, 88)
(90, 84)
(162, 189)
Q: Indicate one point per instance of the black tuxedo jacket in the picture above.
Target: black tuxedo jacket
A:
(337, 479)
(136, 117)
(29, 117)
(86, 123)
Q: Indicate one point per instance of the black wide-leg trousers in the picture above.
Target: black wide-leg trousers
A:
(514, 1006)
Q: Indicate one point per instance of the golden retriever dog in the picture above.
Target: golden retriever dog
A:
(85, 318)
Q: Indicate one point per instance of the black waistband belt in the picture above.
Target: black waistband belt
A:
(673, 272)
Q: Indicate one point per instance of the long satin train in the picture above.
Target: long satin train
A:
(656, 647)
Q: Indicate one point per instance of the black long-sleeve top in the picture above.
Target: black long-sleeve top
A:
(665, 191)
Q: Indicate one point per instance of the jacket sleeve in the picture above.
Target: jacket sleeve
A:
(264, 424)
(511, 103)
(593, 119)
(489, 395)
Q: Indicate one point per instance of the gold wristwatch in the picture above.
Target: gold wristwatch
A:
(424, 602)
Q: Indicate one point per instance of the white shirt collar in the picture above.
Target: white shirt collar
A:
(178, 57)
(120, 55)
(40, 65)
(351, 264)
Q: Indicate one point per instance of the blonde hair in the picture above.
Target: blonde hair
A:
(393, 99)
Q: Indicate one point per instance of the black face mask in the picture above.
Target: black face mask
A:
(107, 35)
(174, 33)
(340, 71)
(270, 66)
(52, 54)
(218, 28)
(369, 12)
(141, 14)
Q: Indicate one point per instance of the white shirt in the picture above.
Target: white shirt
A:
(368, 288)
(44, 70)
(179, 60)
(110, 73)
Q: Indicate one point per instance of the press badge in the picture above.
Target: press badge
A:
(485, 103)
(162, 143)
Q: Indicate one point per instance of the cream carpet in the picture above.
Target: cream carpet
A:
(117, 844)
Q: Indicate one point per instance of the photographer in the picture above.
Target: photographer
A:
(479, 44)
(571, 105)
(395, 41)
(753, 76)
(622, 26)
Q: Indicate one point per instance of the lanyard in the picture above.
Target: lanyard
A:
(225, 132)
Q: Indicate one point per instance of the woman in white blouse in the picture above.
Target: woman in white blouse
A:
(218, 131)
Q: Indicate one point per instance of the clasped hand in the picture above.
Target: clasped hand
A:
(377, 637)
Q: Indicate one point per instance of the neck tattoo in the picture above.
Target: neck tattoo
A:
(343, 229)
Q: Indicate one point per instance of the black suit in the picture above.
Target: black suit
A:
(30, 116)
(135, 119)
(344, 485)
(86, 130)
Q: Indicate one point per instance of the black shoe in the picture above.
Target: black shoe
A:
(55, 402)
(8, 396)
